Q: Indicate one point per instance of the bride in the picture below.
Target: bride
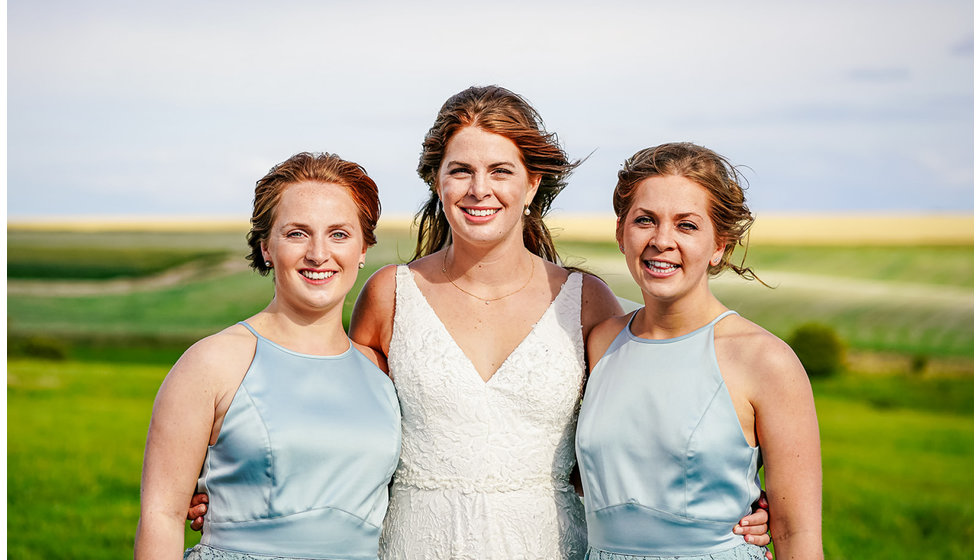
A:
(484, 333)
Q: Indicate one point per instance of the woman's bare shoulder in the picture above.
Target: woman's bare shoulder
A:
(222, 350)
(755, 348)
(602, 335)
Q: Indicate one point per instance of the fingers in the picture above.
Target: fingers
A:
(758, 540)
(197, 511)
(199, 499)
(197, 524)
(758, 518)
(763, 502)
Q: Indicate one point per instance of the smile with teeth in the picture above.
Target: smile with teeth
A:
(661, 266)
(481, 213)
(314, 275)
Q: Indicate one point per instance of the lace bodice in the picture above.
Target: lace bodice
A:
(484, 465)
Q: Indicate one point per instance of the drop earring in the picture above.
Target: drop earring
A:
(527, 209)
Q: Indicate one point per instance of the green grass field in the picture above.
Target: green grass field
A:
(897, 445)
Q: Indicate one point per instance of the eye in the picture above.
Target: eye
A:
(502, 171)
(295, 234)
(643, 220)
(340, 235)
(688, 226)
(458, 171)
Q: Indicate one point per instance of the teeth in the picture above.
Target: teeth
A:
(661, 265)
(480, 213)
(316, 275)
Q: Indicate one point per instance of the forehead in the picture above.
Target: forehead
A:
(673, 194)
(472, 142)
(316, 201)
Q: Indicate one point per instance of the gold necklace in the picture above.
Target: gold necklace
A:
(471, 294)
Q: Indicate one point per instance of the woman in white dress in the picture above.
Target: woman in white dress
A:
(484, 333)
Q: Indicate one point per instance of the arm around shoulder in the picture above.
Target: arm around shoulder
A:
(598, 303)
(786, 424)
(374, 311)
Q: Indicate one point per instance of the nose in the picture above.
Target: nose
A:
(479, 186)
(662, 239)
(318, 250)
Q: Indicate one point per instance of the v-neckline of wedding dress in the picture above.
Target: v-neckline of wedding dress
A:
(466, 358)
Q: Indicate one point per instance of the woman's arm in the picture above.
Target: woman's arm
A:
(598, 304)
(178, 437)
(788, 434)
(374, 312)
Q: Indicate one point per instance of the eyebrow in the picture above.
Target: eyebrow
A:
(682, 215)
(469, 166)
(290, 225)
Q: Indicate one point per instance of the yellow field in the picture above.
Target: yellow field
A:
(769, 229)
(811, 229)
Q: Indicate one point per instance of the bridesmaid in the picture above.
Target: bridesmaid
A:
(687, 399)
(289, 426)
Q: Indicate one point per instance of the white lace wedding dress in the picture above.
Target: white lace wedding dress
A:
(484, 465)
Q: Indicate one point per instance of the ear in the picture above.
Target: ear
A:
(266, 255)
(619, 237)
(719, 252)
(532, 189)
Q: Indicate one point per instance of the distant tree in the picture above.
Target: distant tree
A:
(819, 348)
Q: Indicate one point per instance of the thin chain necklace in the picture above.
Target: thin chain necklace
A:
(483, 299)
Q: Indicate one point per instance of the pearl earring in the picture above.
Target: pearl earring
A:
(268, 264)
(360, 265)
(527, 210)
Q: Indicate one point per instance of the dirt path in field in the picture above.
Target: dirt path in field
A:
(170, 278)
(825, 286)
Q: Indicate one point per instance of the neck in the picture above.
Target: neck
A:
(319, 333)
(661, 319)
(496, 265)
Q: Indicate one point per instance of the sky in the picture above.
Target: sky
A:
(120, 108)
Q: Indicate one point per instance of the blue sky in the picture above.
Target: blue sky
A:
(126, 108)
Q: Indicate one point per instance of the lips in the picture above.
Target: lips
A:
(660, 267)
(317, 275)
(481, 212)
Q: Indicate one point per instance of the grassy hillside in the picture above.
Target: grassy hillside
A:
(897, 440)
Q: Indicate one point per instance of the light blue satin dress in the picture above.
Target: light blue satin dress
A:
(666, 468)
(303, 461)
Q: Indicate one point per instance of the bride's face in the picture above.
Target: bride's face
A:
(484, 187)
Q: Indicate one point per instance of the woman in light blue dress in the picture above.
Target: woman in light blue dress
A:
(686, 399)
(291, 428)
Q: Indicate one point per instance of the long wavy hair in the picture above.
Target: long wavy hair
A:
(729, 213)
(500, 111)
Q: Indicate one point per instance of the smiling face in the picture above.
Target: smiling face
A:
(315, 245)
(668, 238)
(484, 187)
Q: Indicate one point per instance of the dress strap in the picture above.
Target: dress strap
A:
(722, 316)
(250, 329)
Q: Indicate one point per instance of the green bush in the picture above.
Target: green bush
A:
(40, 347)
(819, 348)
